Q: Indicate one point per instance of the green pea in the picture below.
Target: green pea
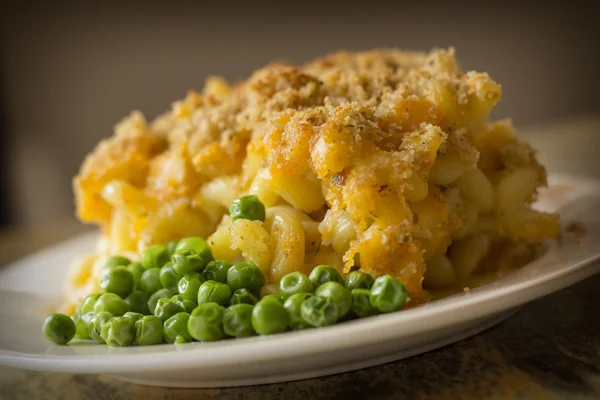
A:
(171, 247)
(247, 207)
(214, 292)
(324, 273)
(117, 261)
(134, 316)
(295, 282)
(136, 270)
(96, 323)
(138, 302)
(338, 294)
(245, 275)
(292, 305)
(269, 317)
(155, 256)
(159, 294)
(217, 271)
(188, 286)
(117, 280)
(387, 294)
(187, 304)
(148, 331)
(361, 304)
(237, 320)
(358, 280)
(206, 322)
(87, 304)
(82, 325)
(319, 311)
(197, 245)
(243, 296)
(150, 281)
(175, 329)
(168, 277)
(112, 303)
(59, 328)
(186, 263)
(166, 308)
(118, 331)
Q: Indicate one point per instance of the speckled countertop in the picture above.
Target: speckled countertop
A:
(549, 350)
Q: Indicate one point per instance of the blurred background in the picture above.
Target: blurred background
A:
(70, 70)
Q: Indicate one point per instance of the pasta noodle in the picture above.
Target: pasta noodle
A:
(383, 161)
(251, 238)
(287, 242)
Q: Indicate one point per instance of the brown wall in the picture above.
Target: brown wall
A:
(70, 71)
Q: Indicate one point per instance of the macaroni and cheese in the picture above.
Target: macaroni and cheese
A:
(383, 161)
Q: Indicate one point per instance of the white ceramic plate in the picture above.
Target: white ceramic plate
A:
(29, 287)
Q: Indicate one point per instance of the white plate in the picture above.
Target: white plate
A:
(29, 287)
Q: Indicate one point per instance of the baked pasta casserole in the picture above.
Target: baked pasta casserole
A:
(383, 161)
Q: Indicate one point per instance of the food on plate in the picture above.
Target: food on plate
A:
(352, 167)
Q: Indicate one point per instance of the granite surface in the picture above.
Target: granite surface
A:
(549, 350)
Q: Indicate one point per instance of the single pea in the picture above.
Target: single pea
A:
(292, 305)
(188, 286)
(197, 245)
(269, 317)
(206, 322)
(175, 329)
(112, 303)
(87, 304)
(237, 320)
(138, 302)
(159, 294)
(119, 331)
(150, 281)
(166, 308)
(338, 294)
(187, 304)
(134, 316)
(245, 275)
(319, 311)
(243, 296)
(117, 261)
(214, 292)
(295, 282)
(117, 280)
(168, 277)
(324, 273)
(247, 207)
(361, 303)
(59, 328)
(387, 294)
(274, 297)
(186, 263)
(82, 325)
(217, 271)
(358, 280)
(96, 323)
(148, 331)
(155, 256)
(136, 270)
(171, 247)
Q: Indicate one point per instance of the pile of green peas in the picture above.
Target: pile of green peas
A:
(179, 293)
